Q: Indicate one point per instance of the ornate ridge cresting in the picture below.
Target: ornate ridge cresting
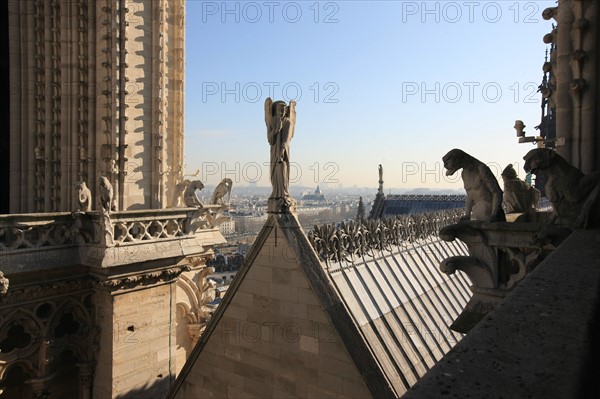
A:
(427, 197)
(352, 240)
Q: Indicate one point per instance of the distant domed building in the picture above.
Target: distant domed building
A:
(316, 198)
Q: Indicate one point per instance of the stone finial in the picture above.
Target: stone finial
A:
(520, 128)
(190, 196)
(484, 196)
(380, 190)
(222, 190)
(280, 119)
(106, 195)
(360, 212)
(519, 196)
(84, 197)
(574, 196)
(550, 13)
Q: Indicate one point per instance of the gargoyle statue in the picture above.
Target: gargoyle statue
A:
(190, 195)
(484, 196)
(574, 196)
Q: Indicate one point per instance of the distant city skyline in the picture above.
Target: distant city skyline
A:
(388, 82)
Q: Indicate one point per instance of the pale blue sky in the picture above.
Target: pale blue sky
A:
(361, 68)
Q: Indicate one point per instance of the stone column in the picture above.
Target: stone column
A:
(564, 101)
(39, 387)
(86, 379)
(577, 77)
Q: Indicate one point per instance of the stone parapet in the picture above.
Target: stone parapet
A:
(30, 242)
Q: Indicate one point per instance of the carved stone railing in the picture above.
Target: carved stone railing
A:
(46, 240)
(148, 225)
(36, 230)
(351, 241)
(500, 256)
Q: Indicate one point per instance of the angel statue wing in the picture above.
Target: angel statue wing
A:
(269, 120)
(268, 111)
(292, 116)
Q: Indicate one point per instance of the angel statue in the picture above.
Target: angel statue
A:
(281, 122)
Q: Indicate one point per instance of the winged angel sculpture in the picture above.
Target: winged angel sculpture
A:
(281, 122)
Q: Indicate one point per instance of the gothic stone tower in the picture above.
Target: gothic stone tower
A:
(577, 71)
(100, 304)
(96, 89)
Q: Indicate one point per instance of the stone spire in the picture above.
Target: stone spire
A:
(101, 86)
(380, 190)
(377, 208)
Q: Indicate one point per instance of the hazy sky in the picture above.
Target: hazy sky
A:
(397, 83)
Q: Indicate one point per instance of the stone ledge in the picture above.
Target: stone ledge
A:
(540, 342)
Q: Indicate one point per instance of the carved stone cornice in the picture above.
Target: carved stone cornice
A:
(142, 280)
(39, 291)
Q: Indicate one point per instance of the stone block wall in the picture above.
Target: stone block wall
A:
(137, 341)
(273, 338)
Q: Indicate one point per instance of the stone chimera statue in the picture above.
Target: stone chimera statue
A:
(484, 196)
(519, 196)
(190, 197)
(106, 195)
(84, 197)
(574, 196)
(223, 189)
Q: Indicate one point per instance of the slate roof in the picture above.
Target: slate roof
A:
(415, 204)
(403, 305)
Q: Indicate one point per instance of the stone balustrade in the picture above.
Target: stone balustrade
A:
(24, 231)
(30, 242)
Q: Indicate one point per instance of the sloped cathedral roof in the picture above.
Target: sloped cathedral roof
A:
(305, 318)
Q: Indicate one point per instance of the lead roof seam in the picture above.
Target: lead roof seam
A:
(425, 294)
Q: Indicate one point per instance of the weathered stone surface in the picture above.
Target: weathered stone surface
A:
(500, 256)
(535, 344)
